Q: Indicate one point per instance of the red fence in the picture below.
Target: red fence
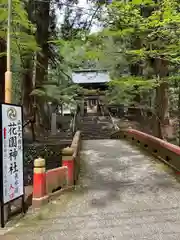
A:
(46, 183)
(56, 179)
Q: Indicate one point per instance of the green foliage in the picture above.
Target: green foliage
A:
(22, 42)
(59, 89)
(142, 34)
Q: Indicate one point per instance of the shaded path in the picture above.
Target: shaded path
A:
(122, 195)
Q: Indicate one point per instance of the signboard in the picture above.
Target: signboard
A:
(12, 153)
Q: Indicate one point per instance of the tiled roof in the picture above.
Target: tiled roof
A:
(90, 77)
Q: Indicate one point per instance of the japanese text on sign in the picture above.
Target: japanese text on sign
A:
(12, 152)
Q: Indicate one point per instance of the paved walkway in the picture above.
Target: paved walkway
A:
(123, 195)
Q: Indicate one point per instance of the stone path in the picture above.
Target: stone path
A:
(123, 194)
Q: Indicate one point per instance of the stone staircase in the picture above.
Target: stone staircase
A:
(95, 127)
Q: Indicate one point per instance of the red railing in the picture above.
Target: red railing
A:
(167, 152)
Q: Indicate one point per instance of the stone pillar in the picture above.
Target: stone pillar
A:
(85, 107)
(88, 105)
(53, 124)
(40, 195)
(82, 108)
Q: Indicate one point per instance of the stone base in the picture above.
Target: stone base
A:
(39, 202)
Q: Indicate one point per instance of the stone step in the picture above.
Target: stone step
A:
(96, 127)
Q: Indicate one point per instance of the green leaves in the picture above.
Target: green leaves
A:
(22, 30)
(139, 2)
(131, 81)
(59, 88)
(140, 41)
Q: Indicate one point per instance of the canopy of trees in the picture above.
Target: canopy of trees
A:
(138, 44)
(41, 49)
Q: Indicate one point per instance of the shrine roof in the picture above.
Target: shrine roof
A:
(90, 76)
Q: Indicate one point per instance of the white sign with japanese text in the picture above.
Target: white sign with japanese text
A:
(12, 152)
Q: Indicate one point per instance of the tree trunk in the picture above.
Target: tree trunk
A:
(2, 69)
(179, 115)
(42, 37)
(136, 69)
(27, 100)
(27, 87)
(160, 67)
(162, 110)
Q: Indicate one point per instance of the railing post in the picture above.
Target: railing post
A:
(68, 161)
(40, 196)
